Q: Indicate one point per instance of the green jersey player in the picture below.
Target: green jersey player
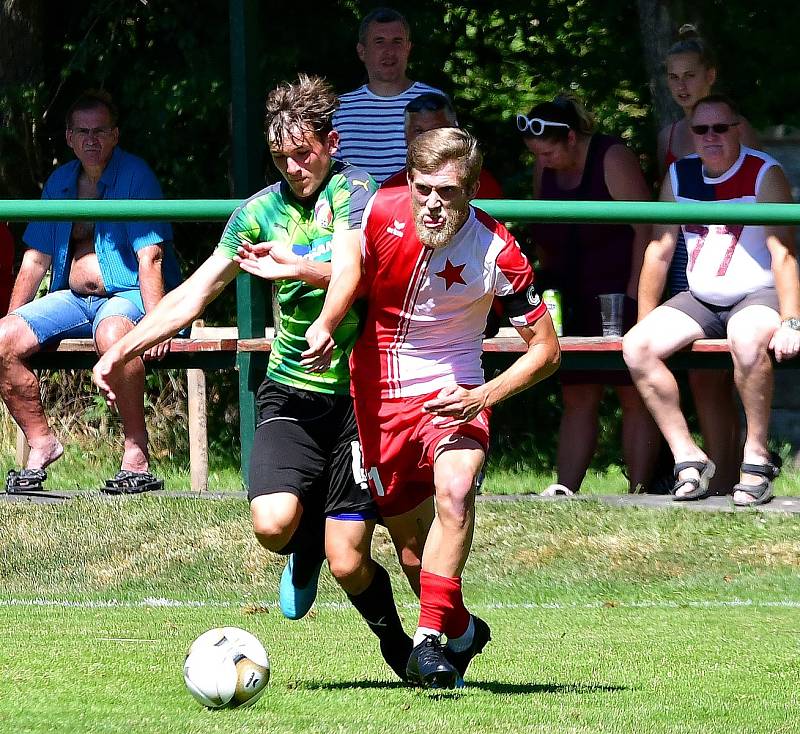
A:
(308, 496)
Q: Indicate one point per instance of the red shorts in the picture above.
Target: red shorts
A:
(399, 443)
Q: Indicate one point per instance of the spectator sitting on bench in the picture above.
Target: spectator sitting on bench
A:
(743, 286)
(582, 261)
(691, 73)
(6, 267)
(105, 276)
(430, 111)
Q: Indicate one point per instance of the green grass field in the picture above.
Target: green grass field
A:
(604, 620)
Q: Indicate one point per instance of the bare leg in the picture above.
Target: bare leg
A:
(577, 434)
(749, 334)
(19, 388)
(719, 423)
(130, 395)
(409, 532)
(347, 547)
(450, 539)
(640, 438)
(645, 347)
(275, 518)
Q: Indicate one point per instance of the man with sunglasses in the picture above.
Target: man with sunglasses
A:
(430, 111)
(743, 286)
(105, 277)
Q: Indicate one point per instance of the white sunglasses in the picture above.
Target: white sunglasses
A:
(536, 125)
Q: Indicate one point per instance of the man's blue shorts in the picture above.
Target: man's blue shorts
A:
(66, 315)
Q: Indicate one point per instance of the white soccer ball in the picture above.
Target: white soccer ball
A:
(226, 667)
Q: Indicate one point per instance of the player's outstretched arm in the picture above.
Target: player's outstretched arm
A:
(276, 261)
(345, 280)
(540, 360)
(175, 310)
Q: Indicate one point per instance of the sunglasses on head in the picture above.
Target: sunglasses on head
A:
(536, 125)
(720, 128)
(428, 102)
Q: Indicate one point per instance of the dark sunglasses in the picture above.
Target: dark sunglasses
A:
(720, 128)
(428, 102)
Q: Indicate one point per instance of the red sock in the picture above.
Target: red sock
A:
(442, 604)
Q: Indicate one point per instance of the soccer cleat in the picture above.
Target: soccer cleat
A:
(396, 651)
(460, 660)
(428, 666)
(297, 591)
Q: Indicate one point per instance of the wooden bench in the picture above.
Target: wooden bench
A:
(214, 348)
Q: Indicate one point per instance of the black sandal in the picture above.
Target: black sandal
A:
(700, 491)
(25, 481)
(132, 482)
(761, 492)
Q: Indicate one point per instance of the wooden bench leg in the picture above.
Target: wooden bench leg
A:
(198, 423)
(198, 429)
(23, 450)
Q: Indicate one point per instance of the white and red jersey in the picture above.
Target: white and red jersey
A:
(427, 308)
(726, 261)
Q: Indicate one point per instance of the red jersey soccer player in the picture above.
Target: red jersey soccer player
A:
(421, 404)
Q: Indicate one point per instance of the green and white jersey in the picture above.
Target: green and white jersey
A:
(275, 214)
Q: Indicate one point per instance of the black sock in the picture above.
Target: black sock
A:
(308, 545)
(376, 605)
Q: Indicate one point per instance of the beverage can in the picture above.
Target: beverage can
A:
(552, 299)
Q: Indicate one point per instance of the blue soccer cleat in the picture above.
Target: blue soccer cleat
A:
(460, 660)
(298, 590)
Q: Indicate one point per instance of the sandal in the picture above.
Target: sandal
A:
(25, 481)
(132, 482)
(761, 492)
(557, 490)
(700, 491)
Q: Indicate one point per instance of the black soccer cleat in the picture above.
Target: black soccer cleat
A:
(460, 660)
(396, 650)
(428, 666)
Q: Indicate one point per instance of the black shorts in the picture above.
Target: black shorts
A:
(306, 443)
(713, 320)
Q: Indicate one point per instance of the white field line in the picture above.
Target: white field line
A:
(150, 603)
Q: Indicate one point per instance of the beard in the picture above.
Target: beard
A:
(436, 238)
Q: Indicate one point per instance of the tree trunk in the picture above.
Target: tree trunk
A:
(656, 28)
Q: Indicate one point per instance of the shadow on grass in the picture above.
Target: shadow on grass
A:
(484, 685)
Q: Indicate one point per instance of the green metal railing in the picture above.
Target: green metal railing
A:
(506, 210)
(251, 302)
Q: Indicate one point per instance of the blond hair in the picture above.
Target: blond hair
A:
(433, 149)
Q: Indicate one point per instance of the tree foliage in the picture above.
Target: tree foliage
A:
(167, 64)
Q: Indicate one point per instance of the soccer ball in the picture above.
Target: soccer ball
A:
(226, 667)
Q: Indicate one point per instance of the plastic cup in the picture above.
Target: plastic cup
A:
(611, 307)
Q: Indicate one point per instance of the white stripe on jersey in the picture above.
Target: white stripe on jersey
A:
(415, 283)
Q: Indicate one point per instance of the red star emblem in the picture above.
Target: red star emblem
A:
(452, 274)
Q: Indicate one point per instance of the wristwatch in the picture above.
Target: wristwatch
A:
(793, 322)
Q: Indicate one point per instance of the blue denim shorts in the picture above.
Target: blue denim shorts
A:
(66, 315)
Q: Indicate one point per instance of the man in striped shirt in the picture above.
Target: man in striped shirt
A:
(370, 119)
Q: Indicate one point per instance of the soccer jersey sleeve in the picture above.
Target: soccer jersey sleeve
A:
(241, 226)
(352, 190)
(515, 288)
